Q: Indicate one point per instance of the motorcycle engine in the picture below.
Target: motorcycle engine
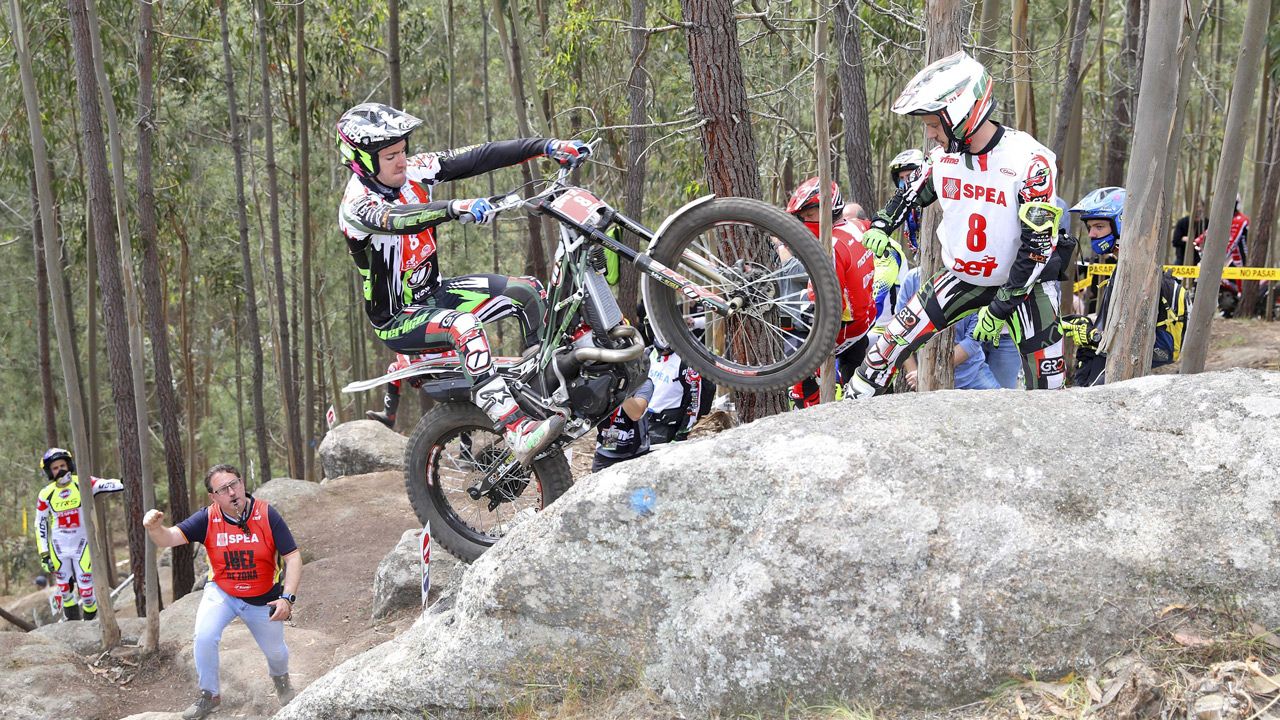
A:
(601, 387)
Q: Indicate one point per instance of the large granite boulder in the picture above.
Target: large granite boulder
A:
(289, 496)
(359, 447)
(398, 583)
(42, 678)
(913, 550)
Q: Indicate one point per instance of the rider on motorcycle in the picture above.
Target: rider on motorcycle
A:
(389, 218)
(999, 226)
(1101, 212)
(855, 269)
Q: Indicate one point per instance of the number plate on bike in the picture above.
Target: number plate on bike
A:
(579, 206)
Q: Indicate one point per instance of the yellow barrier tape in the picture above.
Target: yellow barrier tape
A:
(1082, 284)
(1192, 271)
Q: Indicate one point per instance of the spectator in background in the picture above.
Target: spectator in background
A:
(970, 360)
(1187, 227)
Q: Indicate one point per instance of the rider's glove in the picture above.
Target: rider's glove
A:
(877, 241)
(1079, 330)
(569, 153)
(46, 562)
(988, 327)
(476, 210)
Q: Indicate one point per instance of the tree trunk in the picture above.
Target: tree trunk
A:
(827, 383)
(138, 385)
(1071, 82)
(1249, 296)
(1225, 184)
(42, 326)
(637, 164)
(304, 190)
(1130, 331)
(167, 399)
(62, 316)
(246, 266)
(988, 26)
(943, 25)
(1128, 83)
(1024, 114)
(1186, 54)
(536, 259)
(288, 389)
(1265, 218)
(728, 146)
(393, 53)
(851, 73)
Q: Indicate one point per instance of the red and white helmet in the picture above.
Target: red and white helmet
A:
(957, 89)
(807, 196)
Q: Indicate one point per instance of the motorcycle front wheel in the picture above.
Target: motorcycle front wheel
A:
(451, 452)
(787, 300)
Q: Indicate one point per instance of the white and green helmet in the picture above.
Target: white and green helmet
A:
(957, 89)
(367, 128)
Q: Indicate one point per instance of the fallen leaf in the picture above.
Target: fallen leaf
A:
(1168, 609)
(1095, 692)
(1022, 708)
(1058, 690)
(1187, 639)
(1263, 684)
(1056, 710)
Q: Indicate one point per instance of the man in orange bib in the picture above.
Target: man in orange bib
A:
(248, 542)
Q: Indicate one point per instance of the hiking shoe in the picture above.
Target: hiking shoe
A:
(205, 704)
(381, 417)
(284, 691)
(530, 437)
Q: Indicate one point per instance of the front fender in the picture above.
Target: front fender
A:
(645, 280)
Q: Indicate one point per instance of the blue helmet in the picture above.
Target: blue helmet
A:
(1103, 204)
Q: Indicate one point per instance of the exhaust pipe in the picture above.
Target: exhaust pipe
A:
(581, 356)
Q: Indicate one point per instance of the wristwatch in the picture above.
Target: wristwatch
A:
(293, 599)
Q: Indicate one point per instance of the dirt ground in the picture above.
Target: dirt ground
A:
(1244, 343)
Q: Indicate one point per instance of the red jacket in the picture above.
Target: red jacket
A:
(856, 270)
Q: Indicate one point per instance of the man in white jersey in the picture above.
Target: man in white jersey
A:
(999, 225)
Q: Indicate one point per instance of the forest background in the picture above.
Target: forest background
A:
(284, 291)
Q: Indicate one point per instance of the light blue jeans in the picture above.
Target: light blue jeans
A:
(217, 610)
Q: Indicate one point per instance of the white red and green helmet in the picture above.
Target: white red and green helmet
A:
(367, 128)
(807, 196)
(957, 89)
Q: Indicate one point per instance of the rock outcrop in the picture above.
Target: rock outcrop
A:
(359, 447)
(913, 550)
(398, 582)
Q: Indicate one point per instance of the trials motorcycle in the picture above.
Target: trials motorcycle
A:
(739, 288)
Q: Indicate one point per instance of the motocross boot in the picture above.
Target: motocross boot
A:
(71, 612)
(859, 387)
(390, 403)
(525, 436)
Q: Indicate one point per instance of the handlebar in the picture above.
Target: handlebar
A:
(512, 200)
